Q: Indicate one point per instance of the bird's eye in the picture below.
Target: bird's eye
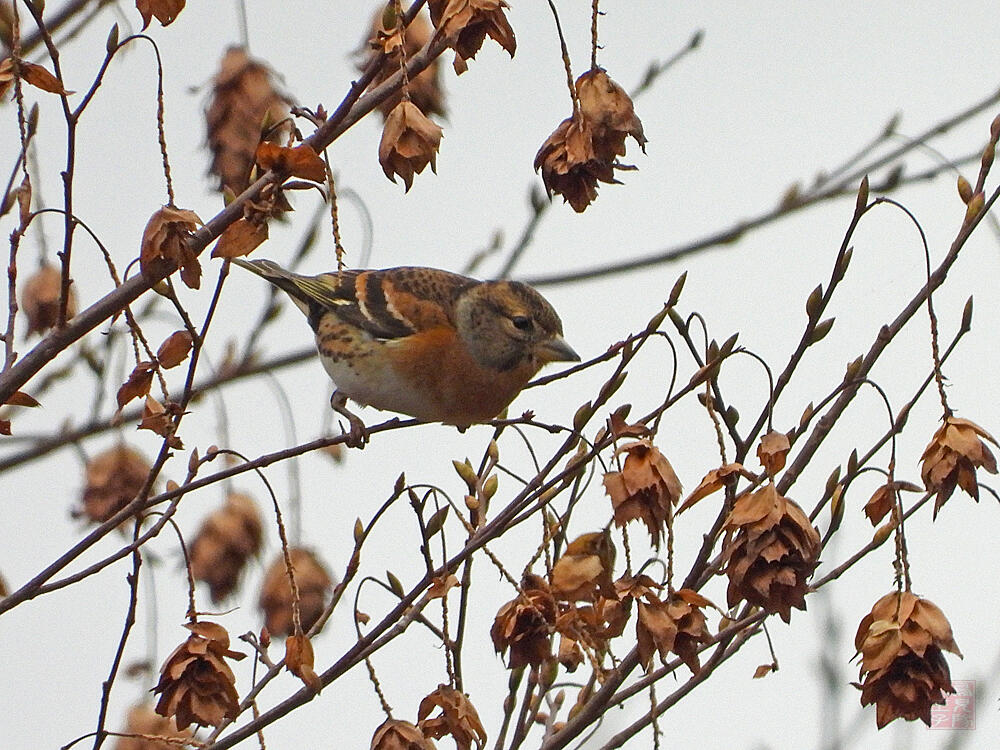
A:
(521, 322)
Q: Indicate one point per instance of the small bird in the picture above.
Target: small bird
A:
(424, 342)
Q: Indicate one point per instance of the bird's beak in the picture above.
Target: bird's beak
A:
(556, 350)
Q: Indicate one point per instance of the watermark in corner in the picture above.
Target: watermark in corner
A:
(959, 708)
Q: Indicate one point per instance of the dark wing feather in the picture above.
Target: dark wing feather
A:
(396, 302)
(389, 303)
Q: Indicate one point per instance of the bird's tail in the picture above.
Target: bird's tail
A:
(305, 291)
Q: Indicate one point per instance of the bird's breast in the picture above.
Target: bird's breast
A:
(429, 375)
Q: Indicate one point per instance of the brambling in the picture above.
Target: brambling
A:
(423, 342)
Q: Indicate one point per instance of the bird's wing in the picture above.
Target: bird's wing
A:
(389, 303)
(396, 302)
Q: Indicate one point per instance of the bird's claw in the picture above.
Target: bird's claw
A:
(357, 436)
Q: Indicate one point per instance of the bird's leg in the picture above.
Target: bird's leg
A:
(358, 434)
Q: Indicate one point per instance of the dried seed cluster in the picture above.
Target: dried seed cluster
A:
(196, 684)
(645, 489)
(675, 624)
(465, 24)
(457, 719)
(903, 670)
(585, 568)
(410, 142)
(952, 457)
(584, 149)
(113, 479)
(313, 583)
(424, 89)
(40, 299)
(771, 550)
(396, 734)
(143, 720)
(228, 538)
(524, 626)
(244, 100)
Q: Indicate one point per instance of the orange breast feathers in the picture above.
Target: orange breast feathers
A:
(462, 391)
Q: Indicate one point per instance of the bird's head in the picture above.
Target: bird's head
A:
(507, 324)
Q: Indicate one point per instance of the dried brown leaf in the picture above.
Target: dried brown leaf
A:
(772, 451)
(585, 568)
(20, 398)
(40, 78)
(165, 11)
(240, 238)
(620, 428)
(165, 243)
(299, 161)
(137, 384)
(410, 142)
(174, 349)
(714, 480)
(694, 598)
(33, 74)
(299, 660)
(884, 498)
(441, 585)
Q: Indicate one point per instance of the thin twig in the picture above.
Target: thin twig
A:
(564, 52)
(133, 600)
(595, 12)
